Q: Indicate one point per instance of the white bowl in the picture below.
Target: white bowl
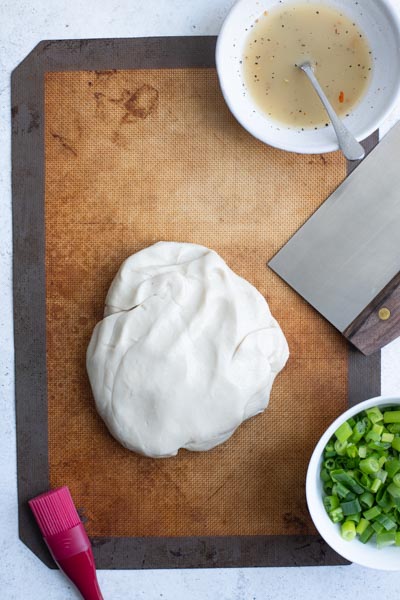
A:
(379, 22)
(367, 555)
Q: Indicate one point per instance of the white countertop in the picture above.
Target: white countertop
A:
(22, 25)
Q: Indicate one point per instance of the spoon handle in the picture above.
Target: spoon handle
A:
(347, 142)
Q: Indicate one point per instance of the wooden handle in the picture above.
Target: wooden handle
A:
(379, 323)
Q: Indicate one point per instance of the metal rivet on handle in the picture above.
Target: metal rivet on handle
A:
(384, 314)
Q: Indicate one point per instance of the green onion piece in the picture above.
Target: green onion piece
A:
(393, 490)
(358, 431)
(352, 451)
(376, 484)
(340, 447)
(371, 436)
(394, 428)
(362, 451)
(391, 416)
(374, 414)
(396, 444)
(340, 476)
(351, 507)
(351, 422)
(372, 513)
(387, 437)
(397, 538)
(381, 460)
(330, 447)
(331, 502)
(348, 531)
(386, 521)
(388, 538)
(366, 500)
(350, 496)
(336, 515)
(383, 499)
(362, 526)
(340, 490)
(366, 534)
(328, 485)
(396, 480)
(377, 527)
(377, 429)
(369, 465)
(329, 464)
(392, 466)
(343, 432)
(325, 475)
(356, 517)
(382, 475)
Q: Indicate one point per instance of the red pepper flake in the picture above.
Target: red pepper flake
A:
(341, 97)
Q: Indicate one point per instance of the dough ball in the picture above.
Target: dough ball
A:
(186, 351)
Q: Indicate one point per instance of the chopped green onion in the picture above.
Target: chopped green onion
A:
(377, 527)
(331, 502)
(358, 431)
(351, 451)
(374, 414)
(391, 416)
(369, 465)
(392, 466)
(366, 535)
(372, 513)
(362, 451)
(336, 515)
(382, 475)
(376, 484)
(377, 429)
(372, 436)
(388, 538)
(340, 447)
(340, 476)
(360, 476)
(362, 526)
(329, 464)
(366, 500)
(351, 507)
(394, 428)
(343, 432)
(348, 530)
(356, 517)
(387, 522)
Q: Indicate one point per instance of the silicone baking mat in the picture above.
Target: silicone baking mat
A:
(121, 144)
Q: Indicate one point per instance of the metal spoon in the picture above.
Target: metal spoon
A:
(347, 142)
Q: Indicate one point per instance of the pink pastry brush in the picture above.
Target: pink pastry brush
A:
(67, 539)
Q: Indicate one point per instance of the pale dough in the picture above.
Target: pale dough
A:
(186, 351)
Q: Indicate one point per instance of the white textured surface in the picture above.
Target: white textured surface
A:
(22, 575)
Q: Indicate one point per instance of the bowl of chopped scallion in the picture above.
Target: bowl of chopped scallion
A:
(353, 484)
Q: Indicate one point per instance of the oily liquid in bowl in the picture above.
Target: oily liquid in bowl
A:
(291, 35)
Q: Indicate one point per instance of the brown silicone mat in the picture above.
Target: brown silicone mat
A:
(135, 153)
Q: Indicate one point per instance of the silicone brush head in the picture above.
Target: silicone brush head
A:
(55, 511)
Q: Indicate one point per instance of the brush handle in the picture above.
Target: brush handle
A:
(72, 552)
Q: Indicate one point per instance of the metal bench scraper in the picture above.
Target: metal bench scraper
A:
(345, 260)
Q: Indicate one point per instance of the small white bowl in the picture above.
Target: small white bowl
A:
(367, 555)
(379, 22)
